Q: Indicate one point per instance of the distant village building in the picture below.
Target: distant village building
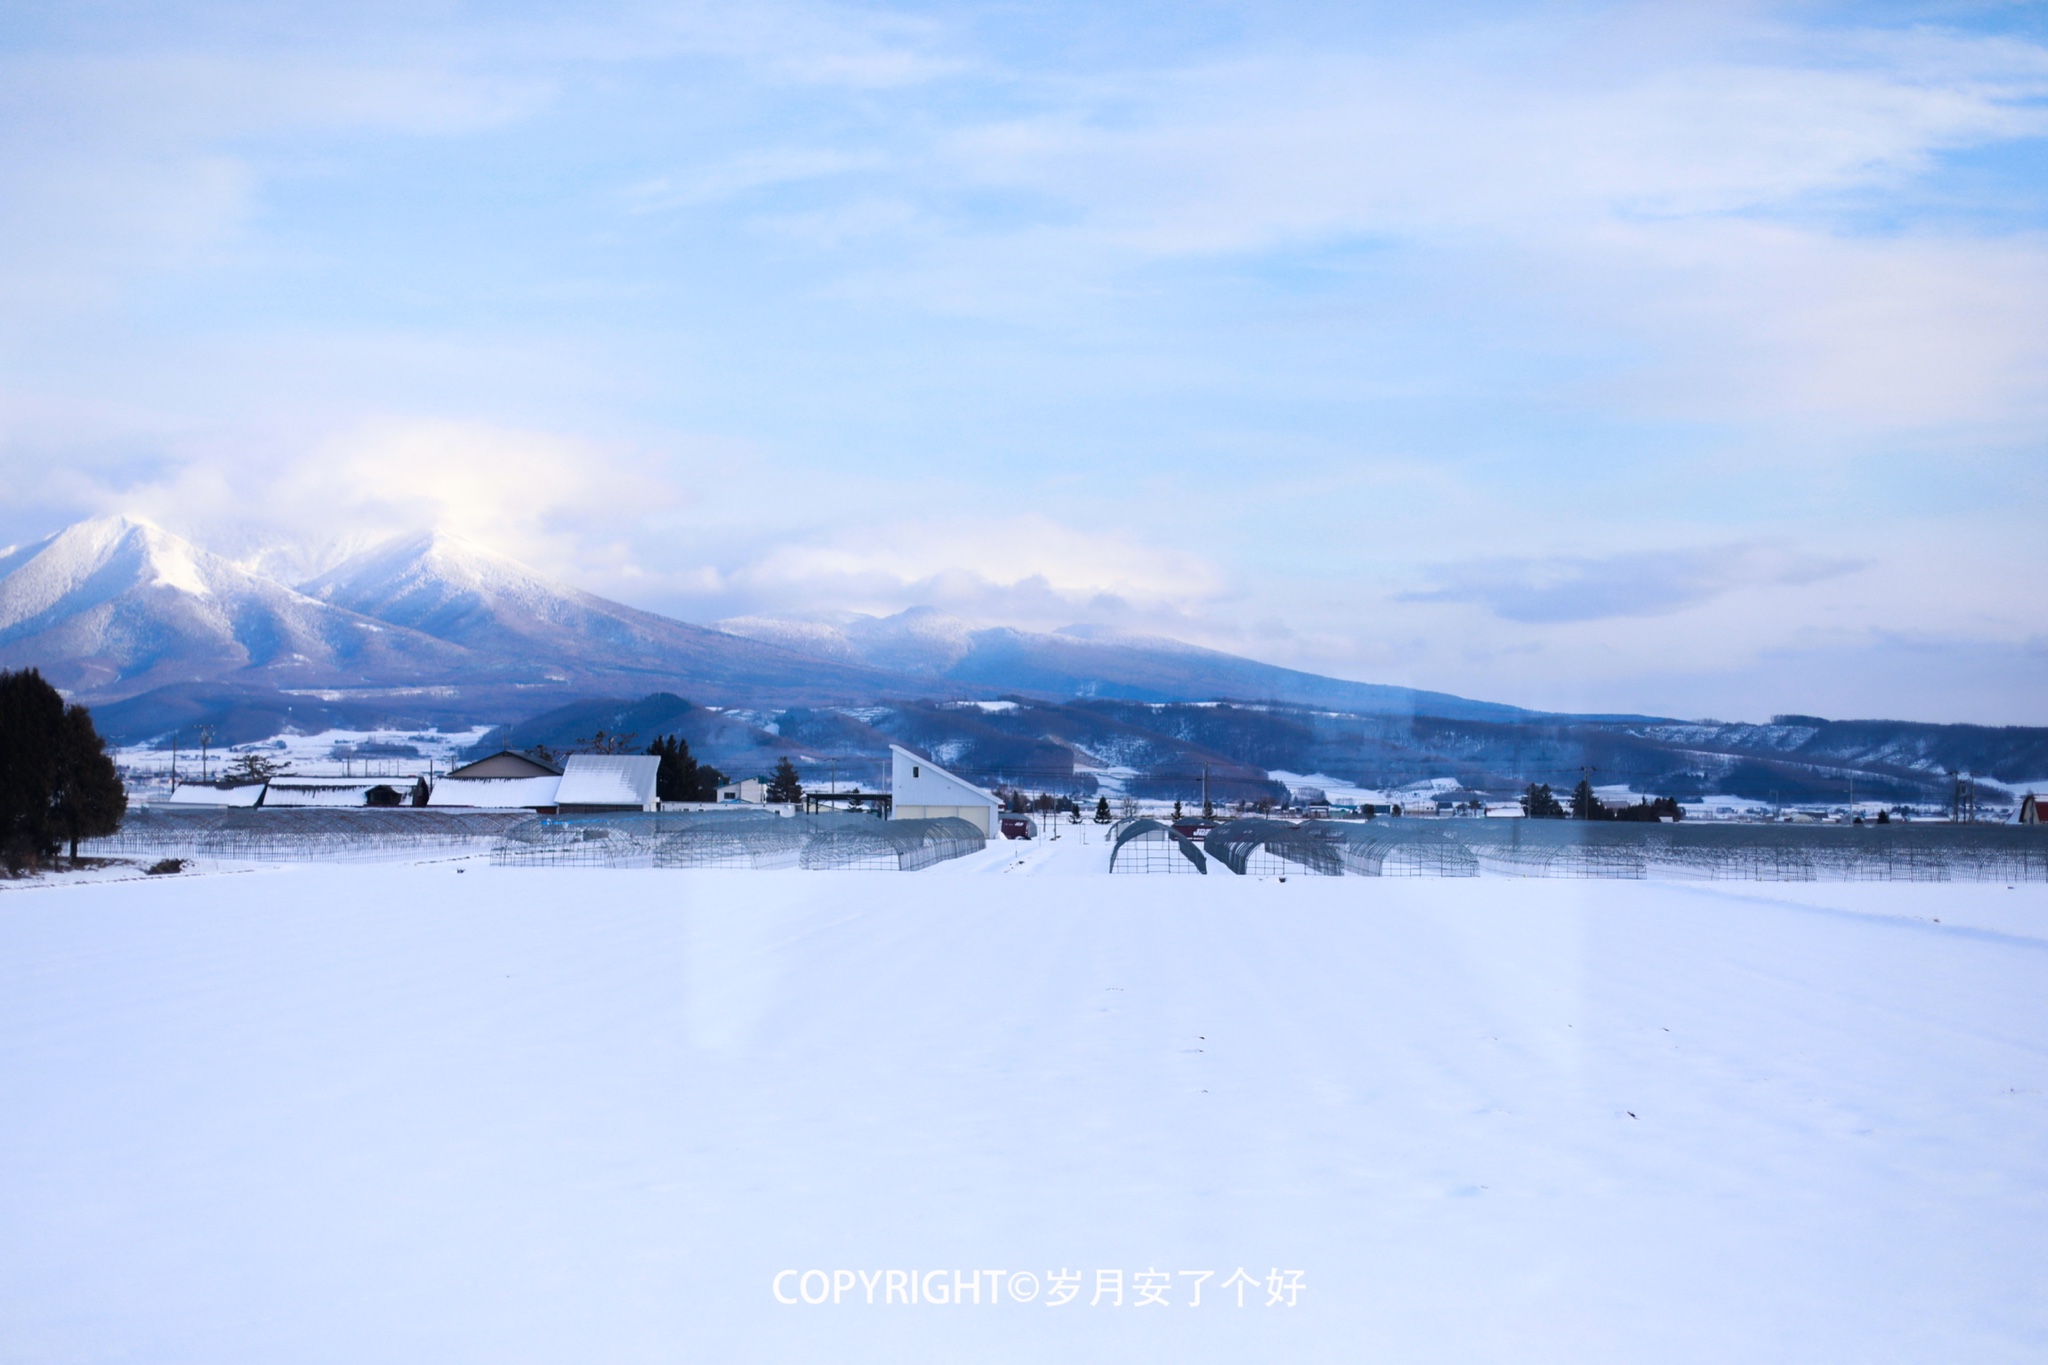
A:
(608, 782)
(750, 790)
(504, 781)
(205, 794)
(287, 792)
(924, 791)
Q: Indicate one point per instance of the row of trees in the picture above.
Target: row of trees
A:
(1540, 803)
(57, 783)
(681, 777)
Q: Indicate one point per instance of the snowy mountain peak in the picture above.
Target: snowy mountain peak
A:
(435, 582)
(94, 561)
(117, 603)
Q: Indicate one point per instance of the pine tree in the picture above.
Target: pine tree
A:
(783, 784)
(675, 779)
(1176, 810)
(1102, 815)
(1585, 805)
(1539, 803)
(90, 800)
(57, 783)
(31, 736)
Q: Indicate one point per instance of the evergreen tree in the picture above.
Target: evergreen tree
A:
(31, 729)
(90, 800)
(1176, 810)
(681, 777)
(1585, 805)
(675, 779)
(783, 783)
(57, 783)
(709, 780)
(1539, 803)
(1102, 815)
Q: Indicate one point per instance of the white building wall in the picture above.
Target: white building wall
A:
(924, 791)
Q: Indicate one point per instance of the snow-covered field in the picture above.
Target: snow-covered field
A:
(449, 1113)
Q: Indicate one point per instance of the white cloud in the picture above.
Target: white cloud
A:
(1646, 583)
(1022, 570)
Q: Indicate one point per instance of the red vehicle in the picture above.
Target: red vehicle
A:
(1019, 827)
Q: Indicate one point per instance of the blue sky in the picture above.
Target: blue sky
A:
(1688, 359)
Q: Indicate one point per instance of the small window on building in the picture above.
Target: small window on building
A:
(913, 770)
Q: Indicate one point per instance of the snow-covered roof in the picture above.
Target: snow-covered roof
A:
(330, 792)
(199, 794)
(506, 763)
(495, 793)
(609, 780)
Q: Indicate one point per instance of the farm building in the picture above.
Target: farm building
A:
(748, 790)
(343, 791)
(924, 791)
(205, 794)
(608, 782)
(504, 781)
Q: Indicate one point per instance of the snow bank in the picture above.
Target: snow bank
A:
(448, 1113)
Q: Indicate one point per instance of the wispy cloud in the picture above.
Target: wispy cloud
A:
(1646, 583)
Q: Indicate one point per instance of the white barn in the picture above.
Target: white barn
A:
(608, 782)
(503, 781)
(921, 790)
(496, 793)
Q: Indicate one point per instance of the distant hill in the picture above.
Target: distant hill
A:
(430, 630)
(160, 636)
(1086, 661)
(1165, 750)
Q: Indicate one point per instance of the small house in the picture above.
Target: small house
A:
(748, 790)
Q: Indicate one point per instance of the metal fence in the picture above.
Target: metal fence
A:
(1627, 850)
(829, 842)
(348, 834)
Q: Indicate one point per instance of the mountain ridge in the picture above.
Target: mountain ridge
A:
(116, 610)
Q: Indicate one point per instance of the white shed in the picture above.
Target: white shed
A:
(496, 793)
(921, 790)
(608, 782)
(335, 791)
(205, 794)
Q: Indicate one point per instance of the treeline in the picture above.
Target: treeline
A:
(57, 783)
(1540, 803)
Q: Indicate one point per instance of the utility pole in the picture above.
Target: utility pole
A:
(205, 739)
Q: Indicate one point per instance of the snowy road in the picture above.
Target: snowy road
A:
(397, 1114)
